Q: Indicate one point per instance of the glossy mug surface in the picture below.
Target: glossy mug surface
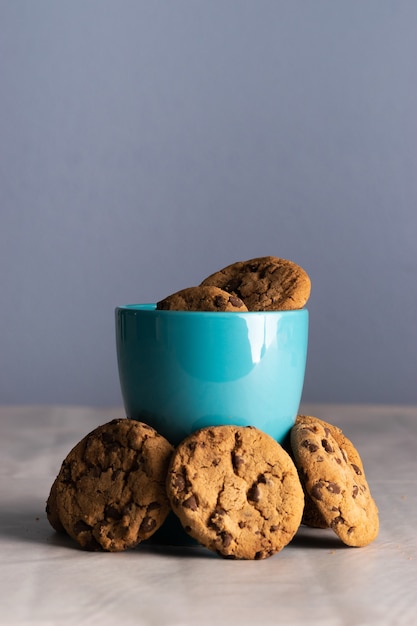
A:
(182, 370)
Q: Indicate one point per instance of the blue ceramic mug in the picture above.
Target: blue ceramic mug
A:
(182, 370)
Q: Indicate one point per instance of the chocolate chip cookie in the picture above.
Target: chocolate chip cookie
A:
(264, 283)
(236, 491)
(110, 491)
(333, 476)
(201, 298)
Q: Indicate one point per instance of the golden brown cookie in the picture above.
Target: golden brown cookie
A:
(264, 283)
(201, 299)
(332, 474)
(110, 492)
(236, 491)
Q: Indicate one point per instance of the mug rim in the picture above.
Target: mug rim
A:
(151, 308)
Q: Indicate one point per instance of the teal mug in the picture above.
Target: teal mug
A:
(182, 370)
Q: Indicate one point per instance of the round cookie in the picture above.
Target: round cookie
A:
(236, 491)
(207, 298)
(110, 491)
(265, 283)
(332, 475)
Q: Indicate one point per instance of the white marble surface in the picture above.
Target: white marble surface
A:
(46, 580)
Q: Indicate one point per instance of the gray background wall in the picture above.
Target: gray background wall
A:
(144, 145)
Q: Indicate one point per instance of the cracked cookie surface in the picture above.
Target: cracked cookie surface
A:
(332, 474)
(110, 491)
(201, 298)
(236, 491)
(264, 283)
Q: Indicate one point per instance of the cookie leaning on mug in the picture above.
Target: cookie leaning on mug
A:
(332, 474)
(236, 491)
(110, 491)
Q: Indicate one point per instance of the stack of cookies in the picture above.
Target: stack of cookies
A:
(263, 284)
(234, 489)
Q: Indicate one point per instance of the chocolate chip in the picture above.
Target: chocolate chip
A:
(107, 438)
(219, 511)
(333, 487)
(337, 520)
(326, 445)
(356, 469)
(254, 493)
(232, 285)
(191, 503)
(147, 525)
(238, 441)
(179, 482)
(311, 447)
(153, 505)
(316, 490)
(355, 491)
(112, 512)
(235, 301)
(226, 539)
(237, 460)
(214, 518)
(80, 527)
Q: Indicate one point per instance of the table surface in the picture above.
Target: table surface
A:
(45, 579)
